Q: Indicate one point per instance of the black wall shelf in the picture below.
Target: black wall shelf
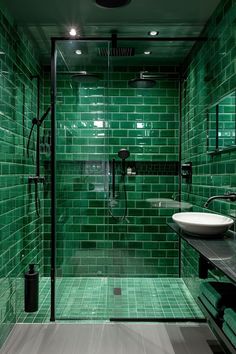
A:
(220, 252)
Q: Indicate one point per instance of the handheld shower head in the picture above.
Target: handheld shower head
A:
(123, 154)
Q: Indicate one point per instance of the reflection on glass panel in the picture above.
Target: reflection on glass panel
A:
(226, 117)
(222, 124)
(212, 128)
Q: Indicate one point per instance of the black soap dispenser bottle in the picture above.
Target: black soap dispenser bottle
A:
(31, 289)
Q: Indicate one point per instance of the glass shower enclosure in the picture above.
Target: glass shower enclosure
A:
(82, 179)
(113, 256)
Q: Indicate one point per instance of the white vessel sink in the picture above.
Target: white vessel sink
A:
(203, 224)
(168, 203)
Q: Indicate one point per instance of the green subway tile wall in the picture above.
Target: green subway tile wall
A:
(93, 124)
(211, 175)
(210, 75)
(20, 228)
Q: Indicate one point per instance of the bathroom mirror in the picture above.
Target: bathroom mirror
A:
(221, 119)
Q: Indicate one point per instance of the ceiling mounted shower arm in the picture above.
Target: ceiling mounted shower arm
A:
(114, 40)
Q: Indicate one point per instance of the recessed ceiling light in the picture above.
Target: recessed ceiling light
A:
(78, 51)
(112, 3)
(153, 33)
(147, 52)
(2, 53)
(72, 31)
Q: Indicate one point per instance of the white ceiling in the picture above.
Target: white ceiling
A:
(172, 18)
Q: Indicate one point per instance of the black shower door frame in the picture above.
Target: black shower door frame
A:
(53, 95)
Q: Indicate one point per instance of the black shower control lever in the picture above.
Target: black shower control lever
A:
(186, 171)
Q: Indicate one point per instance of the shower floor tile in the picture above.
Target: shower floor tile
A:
(96, 299)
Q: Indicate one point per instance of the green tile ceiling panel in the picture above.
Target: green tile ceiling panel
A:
(169, 18)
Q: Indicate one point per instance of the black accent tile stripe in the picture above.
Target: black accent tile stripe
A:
(151, 168)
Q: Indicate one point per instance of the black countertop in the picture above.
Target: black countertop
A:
(221, 252)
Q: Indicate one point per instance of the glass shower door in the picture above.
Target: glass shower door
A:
(82, 180)
(116, 257)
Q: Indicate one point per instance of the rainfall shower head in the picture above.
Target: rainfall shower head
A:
(85, 76)
(123, 154)
(112, 3)
(142, 82)
(148, 79)
(116, 52)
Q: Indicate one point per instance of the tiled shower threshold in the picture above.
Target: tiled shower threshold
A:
(101, 298)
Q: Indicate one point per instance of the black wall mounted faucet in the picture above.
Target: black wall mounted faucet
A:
(228, 196)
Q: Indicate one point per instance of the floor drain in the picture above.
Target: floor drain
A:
(117, 291)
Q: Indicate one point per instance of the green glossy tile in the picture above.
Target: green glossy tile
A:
(87, 298)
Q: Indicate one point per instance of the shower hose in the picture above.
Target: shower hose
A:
(122, 218)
